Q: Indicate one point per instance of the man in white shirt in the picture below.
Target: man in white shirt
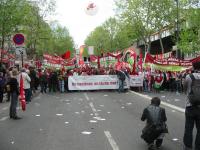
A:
(27, 87)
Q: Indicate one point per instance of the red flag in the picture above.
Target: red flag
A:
(66, 55)
(22, 94)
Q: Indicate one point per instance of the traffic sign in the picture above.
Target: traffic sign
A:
(18, 39)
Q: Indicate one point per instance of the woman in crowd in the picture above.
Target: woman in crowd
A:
(14, 90)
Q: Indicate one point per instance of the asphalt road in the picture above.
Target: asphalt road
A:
(84, 121)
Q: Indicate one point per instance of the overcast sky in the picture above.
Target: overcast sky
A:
(71, 13)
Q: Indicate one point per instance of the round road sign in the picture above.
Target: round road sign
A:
(18, 39)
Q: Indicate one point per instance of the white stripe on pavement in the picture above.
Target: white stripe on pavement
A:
(92, 106)
(86, 96)
(163, 103)
(5, 108)
(111, 140)
(93, 109)
(4, 118)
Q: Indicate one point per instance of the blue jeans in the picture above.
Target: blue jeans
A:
(27, 95)
(192, 116)
(61, 86)
(145, 84)
(121, 86)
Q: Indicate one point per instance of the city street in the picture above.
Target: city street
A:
(100, 120)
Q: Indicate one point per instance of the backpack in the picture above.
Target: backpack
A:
(153, 131)
(194, 95)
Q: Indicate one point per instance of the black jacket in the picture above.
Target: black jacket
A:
(14, 86)
(154, 115)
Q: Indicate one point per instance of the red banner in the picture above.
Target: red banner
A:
(168, 61)
(53, 59)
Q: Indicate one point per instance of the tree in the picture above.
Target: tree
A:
(99, 38)
(11, 14)
(62, 40)
(111, 27)
(146, 17)
(190, 30)
(38, 32)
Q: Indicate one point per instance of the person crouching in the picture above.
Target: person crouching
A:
(155, 129)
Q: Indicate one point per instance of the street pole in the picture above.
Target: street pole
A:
(177, 27)
(21, 52)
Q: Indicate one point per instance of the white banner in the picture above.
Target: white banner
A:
(136, 80)
(95, 82)
(91, 50)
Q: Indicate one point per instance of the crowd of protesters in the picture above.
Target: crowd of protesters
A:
(171, 81)
(57, 79)
(48, 79)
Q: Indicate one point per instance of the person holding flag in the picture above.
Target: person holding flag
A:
(14, 91)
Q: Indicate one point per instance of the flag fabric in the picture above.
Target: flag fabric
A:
(66, 55)
(22, 94)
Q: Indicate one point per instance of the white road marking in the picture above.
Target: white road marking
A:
(4, 118)
(108, 112)
(105, 95)
(86, 132)
(5, 108)
(163, 103)
(86, 96)
(176, 100)
(97, 117)
(93, 121)
(111, 140)
(175, 139)
(92, 106)
(59, 114)
(37, 115)
(128, 103)
(66, 122)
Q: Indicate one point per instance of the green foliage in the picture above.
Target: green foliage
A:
(28, 17)
(99, 38)
(135, 20)
(190, 33)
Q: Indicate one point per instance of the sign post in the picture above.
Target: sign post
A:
(19, 39)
